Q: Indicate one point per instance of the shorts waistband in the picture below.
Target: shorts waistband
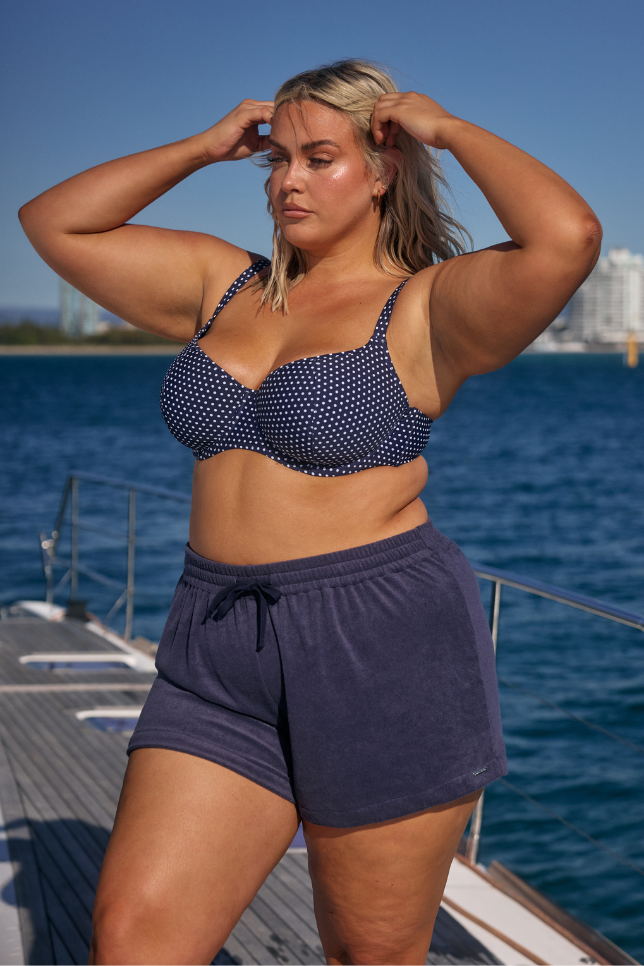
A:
(306, 571)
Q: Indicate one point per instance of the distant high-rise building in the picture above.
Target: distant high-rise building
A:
(610, 303)
(78, 314)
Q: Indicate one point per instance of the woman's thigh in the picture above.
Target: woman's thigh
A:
(377, 888)
(191, 845)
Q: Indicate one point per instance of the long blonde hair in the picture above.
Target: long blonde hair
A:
(416, 227)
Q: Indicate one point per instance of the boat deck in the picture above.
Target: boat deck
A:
(60, 779)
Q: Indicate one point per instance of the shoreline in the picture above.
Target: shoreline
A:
(91, 350)
(578, 348)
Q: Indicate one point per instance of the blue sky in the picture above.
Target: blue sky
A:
(89, 80)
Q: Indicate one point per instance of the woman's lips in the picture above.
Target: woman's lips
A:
(295, 212)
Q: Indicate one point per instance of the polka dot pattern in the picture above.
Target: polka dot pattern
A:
(327, 415)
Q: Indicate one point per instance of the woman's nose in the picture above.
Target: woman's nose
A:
(293, 178)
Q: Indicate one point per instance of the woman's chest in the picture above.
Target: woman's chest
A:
(348, 337)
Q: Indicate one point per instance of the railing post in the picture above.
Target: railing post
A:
(45, 550)
(474, 837)
(131, 544)
(75, 515)
(495, 610)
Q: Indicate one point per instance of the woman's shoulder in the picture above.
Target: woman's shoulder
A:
(226, 265)
(222, 260)
(421, 282)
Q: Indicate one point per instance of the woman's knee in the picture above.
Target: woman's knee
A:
(144, 931)
(122, 931)
(386, 939)
(384, 950)
(117, 929)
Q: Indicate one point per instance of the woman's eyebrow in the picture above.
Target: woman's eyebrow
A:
(309, 146)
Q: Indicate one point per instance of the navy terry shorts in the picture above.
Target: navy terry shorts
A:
(369, 692)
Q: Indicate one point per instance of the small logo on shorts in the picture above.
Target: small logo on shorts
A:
(479, 771)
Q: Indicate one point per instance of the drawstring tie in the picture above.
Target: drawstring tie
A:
(264, 595)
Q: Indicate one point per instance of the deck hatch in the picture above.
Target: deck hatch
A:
(75, 661)
(115, 720)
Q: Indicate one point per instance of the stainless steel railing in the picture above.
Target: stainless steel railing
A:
(540, 589)
(73, 567)
(572, 599)
(498, 578)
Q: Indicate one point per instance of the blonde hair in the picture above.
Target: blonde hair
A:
(416, 226)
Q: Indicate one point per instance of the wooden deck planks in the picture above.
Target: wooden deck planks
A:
(61, 953)
(32, 912)
(299, 865)
(285, 940)
(52, 809)
(98, 776)
(47, 765)
(250, 949)
(68, 778)
(294, 910)
(65, 922)
(62, 839)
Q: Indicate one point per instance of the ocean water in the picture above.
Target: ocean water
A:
(537, 468)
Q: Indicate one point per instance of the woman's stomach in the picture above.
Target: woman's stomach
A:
(249, 509)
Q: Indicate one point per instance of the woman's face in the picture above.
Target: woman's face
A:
(322, 193)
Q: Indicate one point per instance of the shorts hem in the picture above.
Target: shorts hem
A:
(175, 741)
(410, 804)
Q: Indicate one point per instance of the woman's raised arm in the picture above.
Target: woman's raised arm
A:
(152, 277)
(486, 307)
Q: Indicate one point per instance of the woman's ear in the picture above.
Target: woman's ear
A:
(392, 159)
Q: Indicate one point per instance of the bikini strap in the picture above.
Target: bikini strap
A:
(239, 282)
(382, 324)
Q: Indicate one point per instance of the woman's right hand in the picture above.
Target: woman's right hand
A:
(237, 135)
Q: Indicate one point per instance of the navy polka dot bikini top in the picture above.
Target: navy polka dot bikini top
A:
(326, 415)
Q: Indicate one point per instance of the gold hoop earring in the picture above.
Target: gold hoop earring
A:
(378, 196)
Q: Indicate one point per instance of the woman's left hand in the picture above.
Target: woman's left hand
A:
(415, 113)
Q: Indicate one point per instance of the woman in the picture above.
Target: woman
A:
(326, 656)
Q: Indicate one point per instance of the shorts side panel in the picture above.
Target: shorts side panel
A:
(386, 702)
(454, 558)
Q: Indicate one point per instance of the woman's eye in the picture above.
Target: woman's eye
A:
(272, 160)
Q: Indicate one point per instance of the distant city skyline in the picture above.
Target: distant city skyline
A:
(79, 315)
(606, 309)
(610, 303)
